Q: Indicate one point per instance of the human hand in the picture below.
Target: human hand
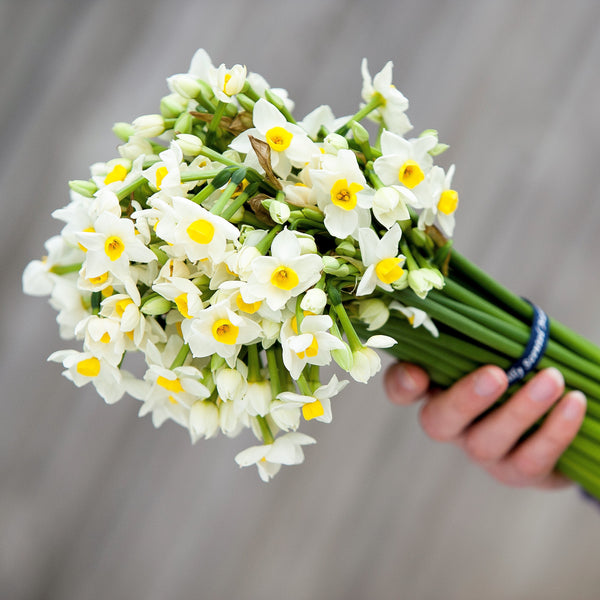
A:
(494, 441)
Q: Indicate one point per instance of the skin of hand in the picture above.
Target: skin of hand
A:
(494, 440)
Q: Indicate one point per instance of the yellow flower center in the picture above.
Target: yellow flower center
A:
(311, 351)
(161, 173)
(172, 400)
(389, 270)
(411, 174)
(411, 319)
(114, 247)
(130, 335)
(225, 82)
(105, 339)
(118, 173)
(99, 280)
(121, 305)
(171, 385)
(312, 410)
(90, 367)
(344, 195)
(284, 278)
(448, 202)
(182, 305)
(225, 331)
(201, 231)
(107, 291)
(279, 138)
(247, 307)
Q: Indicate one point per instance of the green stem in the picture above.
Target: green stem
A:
(64, 269)
(134, 185)
(181, 356)
(375, 102)
(265, 430)
(214, 122)
(264, 244)
(273, 371)
(254, 366)
(199, 175)
(410, 261)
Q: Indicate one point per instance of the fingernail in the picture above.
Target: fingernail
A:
(572, 410)
(404, 380)
(546, 385)
(488, 382)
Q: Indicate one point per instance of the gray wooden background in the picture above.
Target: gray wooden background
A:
(96, 504)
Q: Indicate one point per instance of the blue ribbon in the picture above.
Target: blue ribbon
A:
(536, 346)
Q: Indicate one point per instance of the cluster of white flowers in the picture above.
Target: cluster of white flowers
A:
(238, 250)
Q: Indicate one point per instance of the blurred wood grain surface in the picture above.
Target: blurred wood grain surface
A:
(96, 504)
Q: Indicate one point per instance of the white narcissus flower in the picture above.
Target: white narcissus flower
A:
(283, 275)
(228, 82)
(389, 204)
(421, 281)
(218, 330)
(404, 161)
(111, 247)
(316, 406)
(373, 312)
(204, 420)
(438, 200)
(322, 116)
(232, 382)
(38, 277)
(135, 147)
(381, 257)
(165, 175)
(149, 126)
(290, 146)
(342, 194)
(258, 398)
(392, 114)
(416, 317)
(365, 361)
(84, 367)
(103, 338)
(268, 458)
(314, 301)
(309, 344)
(194, 232)
(183, 292)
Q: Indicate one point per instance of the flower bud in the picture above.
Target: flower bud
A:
(389, 205)
(183, 124)
(156, 306)
(279, 212)
(136, 146)
(373, 312)
(314, 214)
(346, 248)
(231, 422)
(231, 384)
(258, 397)
(190, 145)
(421, 281)
(334, 143)
(300, 195)
(172, 106)
(314, 301)
(123, 130)
(184, 85)
(83, 187)
(360, 134)
(204, 419)
(149, 126)
(365, 364)
(343, 357)
(285, 417)
(307, 243)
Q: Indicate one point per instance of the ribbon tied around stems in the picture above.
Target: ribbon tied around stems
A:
(535, 348)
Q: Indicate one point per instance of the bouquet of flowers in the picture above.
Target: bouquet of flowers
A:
(240, 251)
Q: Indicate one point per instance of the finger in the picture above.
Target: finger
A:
(405, 383)
(494, 436)
(448, 413)
(554, 481)
(534, 459)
